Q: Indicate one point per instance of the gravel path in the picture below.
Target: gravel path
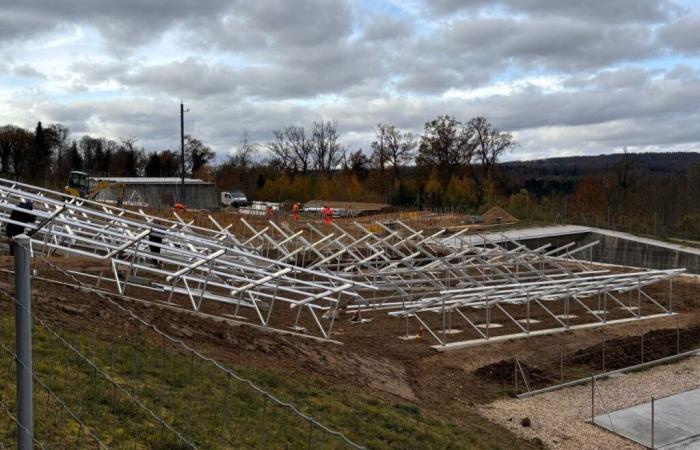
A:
(557, 418)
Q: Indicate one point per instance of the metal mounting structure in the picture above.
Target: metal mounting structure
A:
(189, 266)
(300, 279)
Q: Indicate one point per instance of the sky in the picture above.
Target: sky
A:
(565, 77)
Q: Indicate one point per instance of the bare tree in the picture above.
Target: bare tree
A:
(490, 144)
(380, 151)
(400, 147)
(243, 157)
(282, 151)
(302, 148)
(327, 152)
(58, 137)
(292, 149)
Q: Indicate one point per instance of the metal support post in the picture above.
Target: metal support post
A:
(23, 342)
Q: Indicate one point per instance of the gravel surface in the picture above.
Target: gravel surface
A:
(558, 418)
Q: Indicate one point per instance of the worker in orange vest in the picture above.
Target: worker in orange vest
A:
(327, 214)
(269, 211)
(295, 212)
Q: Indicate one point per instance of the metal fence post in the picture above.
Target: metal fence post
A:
(652, 423)
(23, 342)
(592, 399)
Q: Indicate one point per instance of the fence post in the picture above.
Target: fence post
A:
(592, 399)
(561, 364)
(515, 373)
(652, 423)
(23, 343)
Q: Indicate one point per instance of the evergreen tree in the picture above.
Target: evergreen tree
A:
(39, 157)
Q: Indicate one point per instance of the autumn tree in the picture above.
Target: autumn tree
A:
(589, 197)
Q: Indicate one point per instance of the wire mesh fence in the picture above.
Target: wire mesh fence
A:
(567, 365)
(105, 377)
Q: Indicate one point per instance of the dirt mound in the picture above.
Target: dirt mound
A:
(503, 372)
(497, 215)
(627, 351)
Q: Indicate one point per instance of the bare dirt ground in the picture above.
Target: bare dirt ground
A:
(371, 356)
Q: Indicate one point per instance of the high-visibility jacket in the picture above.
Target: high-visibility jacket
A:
(327, 214)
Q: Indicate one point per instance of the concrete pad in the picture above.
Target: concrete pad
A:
(676, 421)
(564, 316)
(525, 321)
(491, 325)
(450, 331)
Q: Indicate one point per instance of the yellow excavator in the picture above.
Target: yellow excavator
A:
(81, 185)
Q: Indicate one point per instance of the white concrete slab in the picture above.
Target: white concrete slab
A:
(676, 422)
(560, 230)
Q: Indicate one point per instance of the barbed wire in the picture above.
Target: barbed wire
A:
(104, 296)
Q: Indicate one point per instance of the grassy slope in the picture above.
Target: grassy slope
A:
(209, 407)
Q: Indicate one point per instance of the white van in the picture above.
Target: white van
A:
(235, 199)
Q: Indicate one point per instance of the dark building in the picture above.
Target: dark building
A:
(158, 192)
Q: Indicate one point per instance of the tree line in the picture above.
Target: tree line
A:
(450, 162)
(46, 155)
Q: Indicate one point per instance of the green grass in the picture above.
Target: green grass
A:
(209, 407)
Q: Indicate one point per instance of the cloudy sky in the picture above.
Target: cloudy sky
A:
(566, 77)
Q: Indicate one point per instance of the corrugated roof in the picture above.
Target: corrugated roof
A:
(150, 180)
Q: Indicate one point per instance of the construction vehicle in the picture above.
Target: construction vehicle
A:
(81, 185)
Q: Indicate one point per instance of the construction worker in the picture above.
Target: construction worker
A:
(295, 212)
(269, 211)
(327, 214)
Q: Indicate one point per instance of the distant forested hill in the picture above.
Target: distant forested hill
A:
(577, 166)
(554, 176)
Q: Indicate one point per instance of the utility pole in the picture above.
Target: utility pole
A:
(182, 154)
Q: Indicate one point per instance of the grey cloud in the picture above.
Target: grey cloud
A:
(549, 43)
(92, 72)
(191, 77)
(274, 24)
(682, 35)
(296, 74)
(612, 79)
(123, 23)
(605, 11)
(27, 71)
(384, 28)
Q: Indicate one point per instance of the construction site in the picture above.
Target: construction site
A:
(186, 329)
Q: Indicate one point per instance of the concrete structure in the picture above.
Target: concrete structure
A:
(160, 192)
(676, 422)
(614, 247)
